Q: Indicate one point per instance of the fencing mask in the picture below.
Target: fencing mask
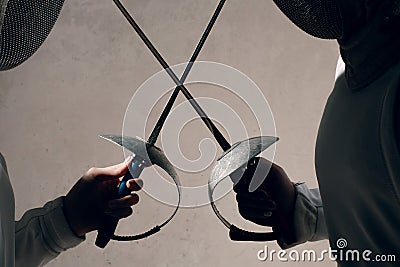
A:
(321, 19)
(24, 25)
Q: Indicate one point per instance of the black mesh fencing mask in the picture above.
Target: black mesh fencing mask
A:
(24, 25)
(321, 19)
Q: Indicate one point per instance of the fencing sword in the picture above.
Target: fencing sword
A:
(180, 86)
(146, 153)
(234, 158)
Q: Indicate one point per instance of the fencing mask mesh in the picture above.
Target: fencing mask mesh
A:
(24, 27)
(3, 5)
(319, 18)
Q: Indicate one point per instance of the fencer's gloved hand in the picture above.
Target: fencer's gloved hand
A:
(92, 198)
(272, 203)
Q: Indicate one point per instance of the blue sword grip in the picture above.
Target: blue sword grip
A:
(134, 172)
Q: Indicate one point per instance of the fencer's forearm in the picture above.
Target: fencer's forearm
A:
(309, 214)
(42, 234)
(309, 219)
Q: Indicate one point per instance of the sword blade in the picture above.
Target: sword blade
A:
(157, 128)
(210, 125)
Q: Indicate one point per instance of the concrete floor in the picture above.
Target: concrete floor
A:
(78, 85)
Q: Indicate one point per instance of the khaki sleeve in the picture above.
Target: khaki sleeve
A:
(42, 234)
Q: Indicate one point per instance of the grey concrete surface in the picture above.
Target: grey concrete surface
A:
(79, 84)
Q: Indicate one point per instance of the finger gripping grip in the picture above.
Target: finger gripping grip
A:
(237, 234)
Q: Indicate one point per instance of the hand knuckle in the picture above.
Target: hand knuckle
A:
(92, 171)
(129, 212)
(243, 213)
